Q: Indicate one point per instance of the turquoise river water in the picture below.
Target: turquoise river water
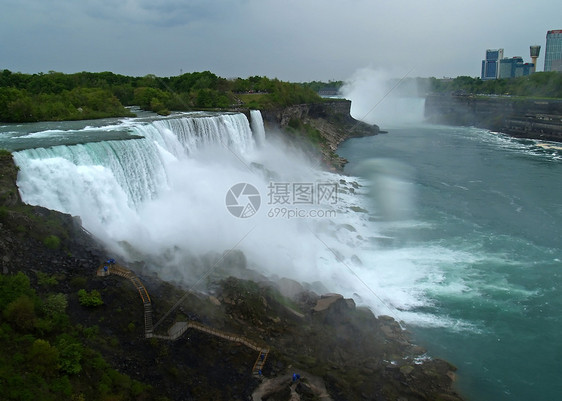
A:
(486, 211)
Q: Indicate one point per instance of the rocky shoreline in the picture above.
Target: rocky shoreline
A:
(521, 118)
(331, 119)
(340, 351)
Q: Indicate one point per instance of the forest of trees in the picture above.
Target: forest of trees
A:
(540, 84)
(85, 95)
(44, 357)
(319, 85)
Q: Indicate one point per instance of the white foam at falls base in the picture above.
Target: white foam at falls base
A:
(162, 199)
(88, 191)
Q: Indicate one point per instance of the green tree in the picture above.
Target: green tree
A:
(55, 304)
(43, 358)
(146, 96)
(90, 299)
(52, 242)
(21, 110)
(12, 287)
(21, 313)
(70, 354)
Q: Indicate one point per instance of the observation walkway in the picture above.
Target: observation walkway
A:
(179, 328)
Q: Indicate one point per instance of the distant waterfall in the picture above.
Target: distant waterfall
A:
(256, 122)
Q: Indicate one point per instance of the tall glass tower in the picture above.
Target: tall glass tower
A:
(553, 51)
(490, 66)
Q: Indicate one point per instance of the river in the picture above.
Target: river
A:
(475, 221)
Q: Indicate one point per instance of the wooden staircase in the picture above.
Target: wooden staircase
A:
(262, 357)
(179, 328)
(105, 270)
(148, 320)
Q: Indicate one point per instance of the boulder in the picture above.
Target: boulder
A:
(326, 301)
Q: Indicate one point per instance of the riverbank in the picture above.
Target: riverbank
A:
(518, 117)
(327, 124)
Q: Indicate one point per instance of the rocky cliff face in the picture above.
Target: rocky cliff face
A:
(9, 195)
(332, 119)
(525, 118)
(25, 229)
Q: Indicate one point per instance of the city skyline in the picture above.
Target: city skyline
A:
(291, 40)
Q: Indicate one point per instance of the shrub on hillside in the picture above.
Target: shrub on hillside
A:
(89, 299)
(52, 242)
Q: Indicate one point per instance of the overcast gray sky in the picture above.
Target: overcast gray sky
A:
(293, 40)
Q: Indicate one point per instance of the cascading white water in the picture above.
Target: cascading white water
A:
(228, 130)
(109, 183)
(137, 166)
(49, 174)
(256, 122)
(162, 199)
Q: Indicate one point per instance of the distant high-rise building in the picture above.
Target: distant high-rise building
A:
(553, 51)
(490, 66)
(514, 67)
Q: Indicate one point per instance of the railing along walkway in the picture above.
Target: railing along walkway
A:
(179, 328)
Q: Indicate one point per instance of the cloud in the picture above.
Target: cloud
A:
(161, 13)
(295, 40)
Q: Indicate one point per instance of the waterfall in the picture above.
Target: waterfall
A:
(229, 130)
(134, 167)
(108, 183)
(256, 121)
(161, 197)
